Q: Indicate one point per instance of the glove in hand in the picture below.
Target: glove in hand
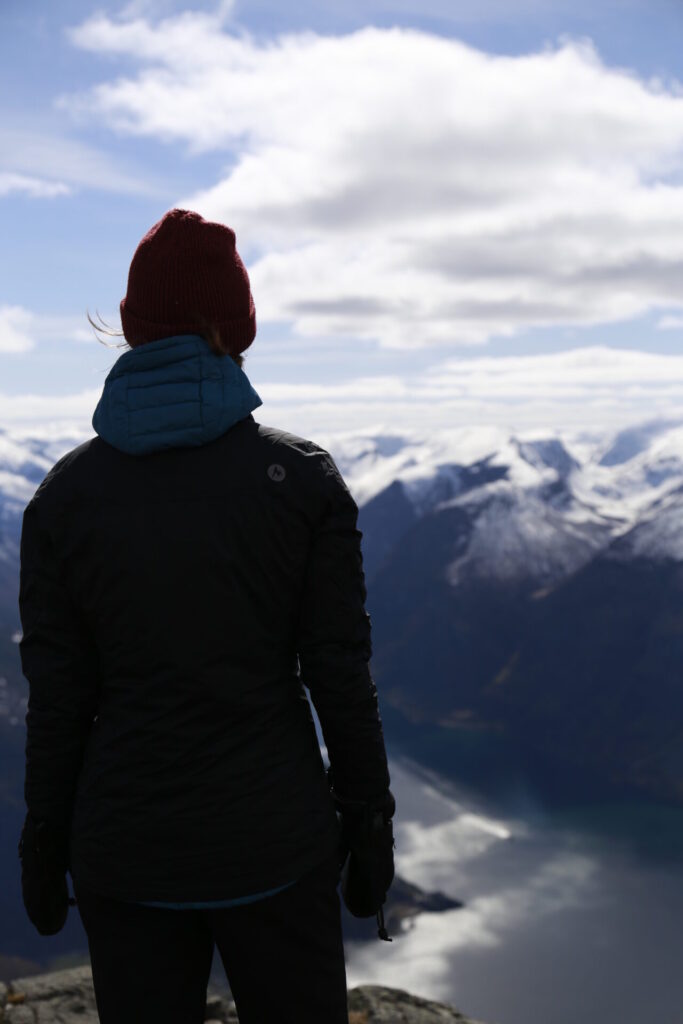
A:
(43, 853)
(369, 869)
(366, 853)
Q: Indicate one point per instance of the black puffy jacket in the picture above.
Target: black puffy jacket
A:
(181, 582)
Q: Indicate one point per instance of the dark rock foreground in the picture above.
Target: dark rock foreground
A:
(67, 997)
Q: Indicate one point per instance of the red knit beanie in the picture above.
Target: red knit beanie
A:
(186, 276)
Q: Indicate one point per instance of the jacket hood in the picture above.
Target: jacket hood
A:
(171, 393)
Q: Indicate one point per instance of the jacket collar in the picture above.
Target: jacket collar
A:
(172, 393)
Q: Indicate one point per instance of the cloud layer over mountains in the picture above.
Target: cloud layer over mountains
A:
(395, 185)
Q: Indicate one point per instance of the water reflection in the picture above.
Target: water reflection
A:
(561, 921)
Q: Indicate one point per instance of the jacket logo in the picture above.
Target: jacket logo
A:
(276, 472)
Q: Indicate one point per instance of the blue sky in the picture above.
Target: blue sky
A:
(500, 183)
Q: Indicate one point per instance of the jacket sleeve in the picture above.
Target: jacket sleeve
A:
(59, 662)
(334, 646)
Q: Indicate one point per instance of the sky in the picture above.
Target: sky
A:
(451, 213)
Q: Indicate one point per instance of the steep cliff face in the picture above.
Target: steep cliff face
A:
(67, 997)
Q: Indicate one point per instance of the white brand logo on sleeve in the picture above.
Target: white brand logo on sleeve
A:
(276, 472)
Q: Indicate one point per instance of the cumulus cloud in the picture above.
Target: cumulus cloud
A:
(398, 186)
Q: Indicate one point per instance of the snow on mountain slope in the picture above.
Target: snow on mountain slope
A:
(657, 535)
(369, 463)
(632, 441)
(541, 502)
(24, 461)
(518, 535)
(557, 501)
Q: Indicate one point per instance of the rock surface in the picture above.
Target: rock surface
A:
(67, 997)
(377, 1004)
(405, 902)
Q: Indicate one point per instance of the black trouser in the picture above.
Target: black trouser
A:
(283, 956)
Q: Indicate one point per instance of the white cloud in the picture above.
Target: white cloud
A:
(604, 387)
(21, 329)
(395, 185)
(600, 387)
(15, 329)
(49, 414)
(37, 188)
(670, 323)
(30, 150)
(587, 373)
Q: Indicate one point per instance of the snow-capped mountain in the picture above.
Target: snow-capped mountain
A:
(531, 585)
(537, 501)
(528, 583)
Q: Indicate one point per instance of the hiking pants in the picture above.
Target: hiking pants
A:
(283, 956)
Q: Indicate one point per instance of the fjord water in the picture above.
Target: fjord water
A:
(573, 908)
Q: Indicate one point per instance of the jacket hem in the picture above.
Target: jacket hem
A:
(237, 886)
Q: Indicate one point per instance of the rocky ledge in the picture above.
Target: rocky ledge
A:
(67, 997)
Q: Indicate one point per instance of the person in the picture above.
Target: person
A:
(184, 574)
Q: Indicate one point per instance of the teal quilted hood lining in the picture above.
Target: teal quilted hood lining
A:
(171, 393)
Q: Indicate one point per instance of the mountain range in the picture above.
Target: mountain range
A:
(526, 599)
(525, 591)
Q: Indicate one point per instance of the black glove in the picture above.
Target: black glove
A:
(366, 854)
(43, 851)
